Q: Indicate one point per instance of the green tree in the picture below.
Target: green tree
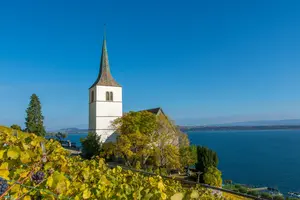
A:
(91, 145)
(16, 127)
(206, 158)
(266, 196)
(212, 176)
(60, 136)
(188, 156)
(145, 139)
(34, 120)
(278, 197)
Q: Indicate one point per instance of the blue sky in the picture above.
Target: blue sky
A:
(201, 61)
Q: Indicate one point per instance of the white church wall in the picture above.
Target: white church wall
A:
(112, 109)
(104, 122)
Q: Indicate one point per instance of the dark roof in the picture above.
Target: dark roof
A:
(104, 77)
(153, 110)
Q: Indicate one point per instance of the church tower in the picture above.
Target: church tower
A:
(105, 100)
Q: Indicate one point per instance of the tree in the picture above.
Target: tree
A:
(60, 136)
(145, 139)
(212, 176)
(206, 158)
(188, 155)
(91, 145)
(266, 196)
(16, 127)
(34, 120)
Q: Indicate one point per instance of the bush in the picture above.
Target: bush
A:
(212, 176)
(278, 197)
(91, 145)
(266, 195)
(16, 127)
(243, 190)
(253, 193)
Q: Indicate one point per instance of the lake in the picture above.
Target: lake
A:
(263, 158)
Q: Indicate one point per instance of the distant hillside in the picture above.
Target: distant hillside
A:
(285, 122)
(72, 130)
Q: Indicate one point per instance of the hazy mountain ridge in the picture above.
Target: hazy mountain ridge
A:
(284, 122)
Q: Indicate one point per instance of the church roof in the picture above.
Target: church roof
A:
(155, 111)
(104, 77)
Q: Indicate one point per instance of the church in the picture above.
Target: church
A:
(105, 102)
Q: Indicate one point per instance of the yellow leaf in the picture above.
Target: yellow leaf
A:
(177, 196)
(27, 198)
(160, 185)
(25, 157)
(86, 194)
(4, 170)
(163, 196)
(15, 188)
(49, 182)
(24, 174)
(13, 152)
(194, 194)
(1, 153)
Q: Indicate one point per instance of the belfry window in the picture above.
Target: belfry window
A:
(92, 96)
(107, 96)
(111, 96)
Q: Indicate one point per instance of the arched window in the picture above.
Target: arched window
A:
(107, 96)
(111, 96)
(92, 96)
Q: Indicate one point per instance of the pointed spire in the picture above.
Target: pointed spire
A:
(105, 78)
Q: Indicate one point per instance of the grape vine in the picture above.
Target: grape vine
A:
(32, 167)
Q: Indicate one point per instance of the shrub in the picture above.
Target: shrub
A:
(212, 176)
(91, 145)
(266, 195)
(243, 190)
(16, 127)
(278, 197)
(253, 193)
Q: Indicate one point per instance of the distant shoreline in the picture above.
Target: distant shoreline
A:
(237, 128)
(206, 128)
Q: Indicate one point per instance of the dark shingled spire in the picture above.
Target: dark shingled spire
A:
(105, 78)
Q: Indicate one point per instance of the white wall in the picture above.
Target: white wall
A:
(104, 122)
(113, 109)
(102, 112)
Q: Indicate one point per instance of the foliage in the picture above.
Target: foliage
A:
(278, 197)
(230, 196)
(16, 127)
(253, 193)
(188, 155)
(60, 136)
(212, 176)
(144, 138)
(266, 195)
(206, 158)
(57, 175)
(91, 145)
(243, 190)
(34, 120)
